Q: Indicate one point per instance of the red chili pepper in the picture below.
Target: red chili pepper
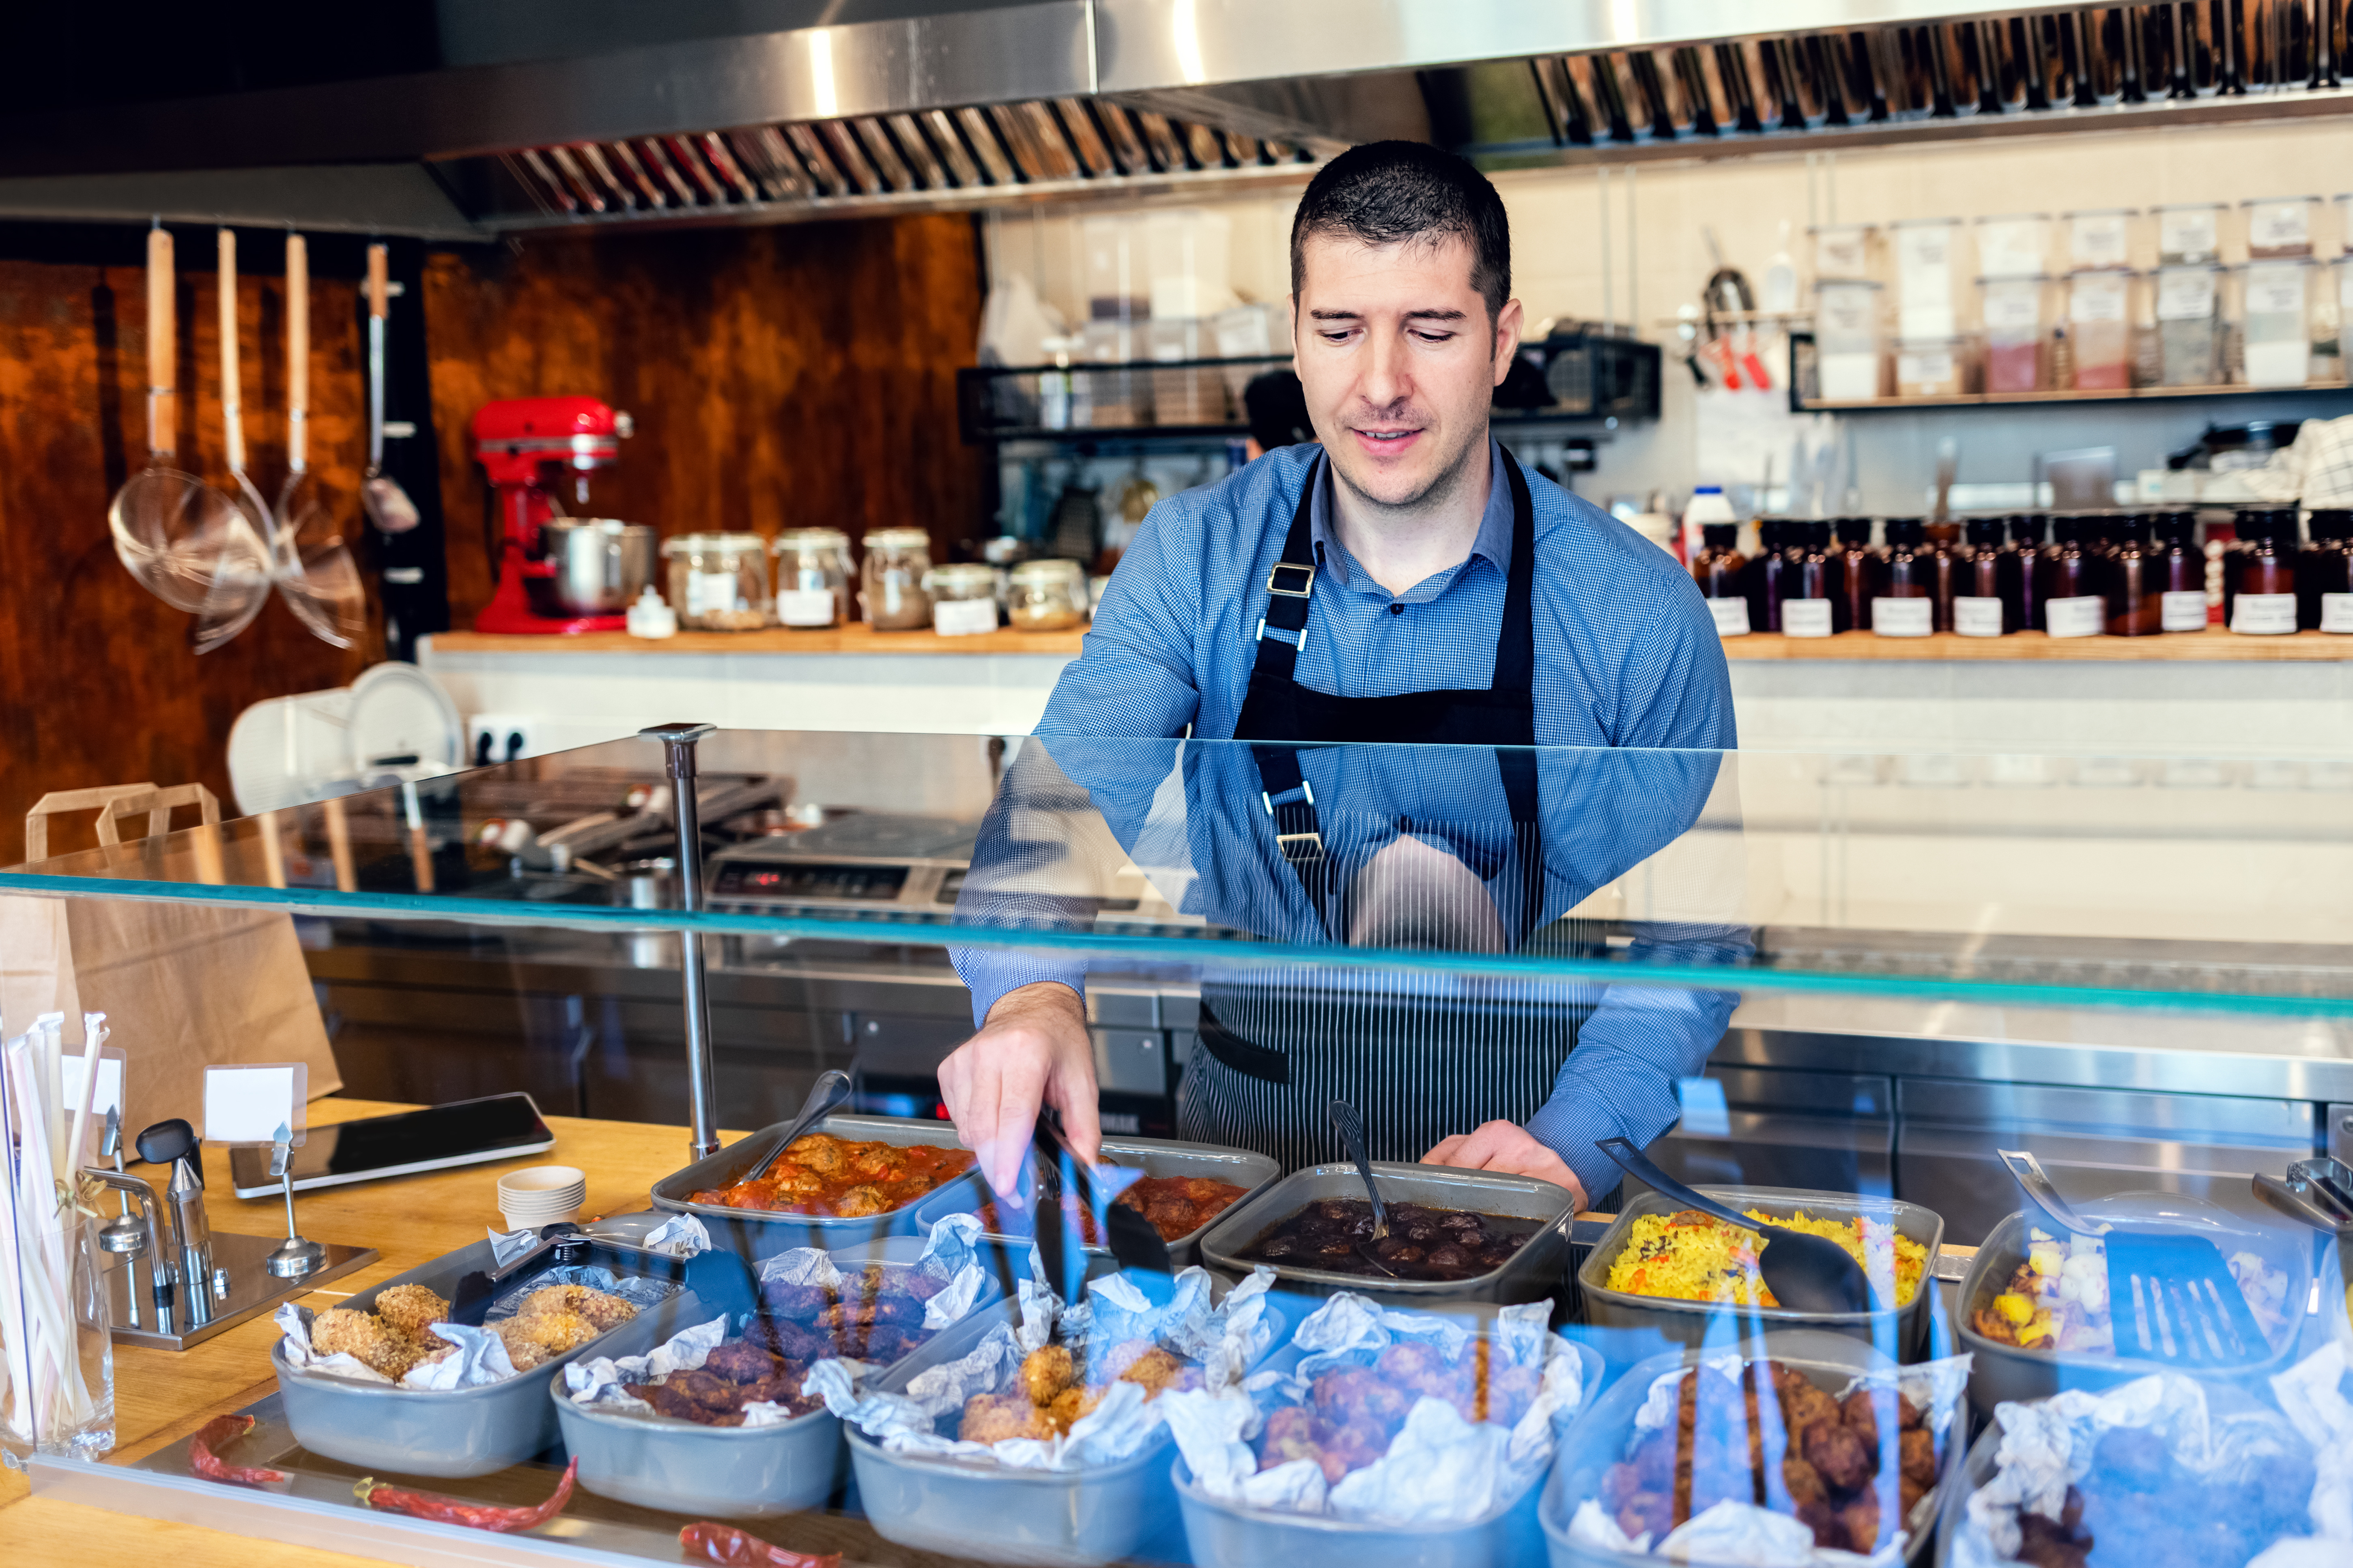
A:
(218, 1433)
(457, 1510)
(733, 1548)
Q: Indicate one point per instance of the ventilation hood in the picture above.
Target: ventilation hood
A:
(702, 111)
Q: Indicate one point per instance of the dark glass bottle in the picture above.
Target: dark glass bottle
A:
(1856, 578)
(1908, 571)
(2015, 577)
(2259, 581)
(2325, 568)
(2069, 571)
(1979, 606)
(2135, 591)
(1721, 572)
(1944, 561)
(2181, 573)
(1765, 574)
(1807, 582)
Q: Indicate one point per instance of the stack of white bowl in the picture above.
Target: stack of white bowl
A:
(540, 1195)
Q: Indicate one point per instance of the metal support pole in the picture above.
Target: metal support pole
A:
(678, 742)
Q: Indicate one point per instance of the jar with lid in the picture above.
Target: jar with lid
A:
(2017, 322)
(2100, 323)
(2181, 580)
(718, 581)
(2100, 236)
(1806, 603)
(813, 573)
(2259, 577)
(2017, 245)
(2324, 574)
(1980, 609)
(1854, 575)
(2136, 587)
(2275, 322)
(1846, 339)
(2279, 227)
(2188, 326)
(891, 580)
(2073, 603)
(2014, 571)
(1926, 278)
(1721, 570)
(1905, 605)
(964, 598)
(1048, 595)
(1842, 250)
(1932, 368)
(2190, 234)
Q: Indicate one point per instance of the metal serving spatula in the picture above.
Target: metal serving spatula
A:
(1806, 1273)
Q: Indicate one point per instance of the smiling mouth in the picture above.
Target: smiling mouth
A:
(1387, 435)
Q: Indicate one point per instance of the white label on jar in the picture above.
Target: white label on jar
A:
(2263, 615)
(1929, 367)
(1977, 617)
(710, 592)
(2009, 246)
(2099, 298)
(2187, 235)
(2336, 612)
(1902, 618)
(2083, 617)
(963, 618)
(1731, 617)
(2184, 294)
(1846, 312)
(1849, 376)
(2013, 305)
(2279, 365)
(1810, 618)
(805, 606)
(2099, 239)
(2183, 610)
(2279, 225)
(2276, 288)
(1838, 253)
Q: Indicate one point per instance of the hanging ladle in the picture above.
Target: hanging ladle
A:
(1805, 1273)
(388, 506)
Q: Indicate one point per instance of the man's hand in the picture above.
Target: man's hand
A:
(1033, 1050)
(1500, 1146)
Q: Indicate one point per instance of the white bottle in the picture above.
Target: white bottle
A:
(650, 617)
(1708, 505)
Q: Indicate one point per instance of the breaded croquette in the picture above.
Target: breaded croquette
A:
(408, 1310)
(339, 1330)
(1045, 1372)
(540, 1337)
(1001, 1418)
(599, 1306)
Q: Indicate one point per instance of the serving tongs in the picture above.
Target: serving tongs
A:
(1350, 1124)
(2318, 1192)
(1806, 1273)
(719, 1278)
(828, 1095)
(1134, 1240)
(2170, 1295)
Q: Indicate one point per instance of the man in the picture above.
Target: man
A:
(1404, 581)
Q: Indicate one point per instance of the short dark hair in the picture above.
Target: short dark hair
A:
(1384, 192)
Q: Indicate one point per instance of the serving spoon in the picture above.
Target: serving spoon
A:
(1350, 1125)
(1805, 1273)
(828, 1095)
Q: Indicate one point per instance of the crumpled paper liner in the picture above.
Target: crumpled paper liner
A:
(1224, 1338)
(1752, 1537)
(1439, 1470)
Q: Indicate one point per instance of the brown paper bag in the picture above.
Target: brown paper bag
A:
(184, 987)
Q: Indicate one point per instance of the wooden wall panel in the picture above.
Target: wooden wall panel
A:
(98, 683)
(778, 377)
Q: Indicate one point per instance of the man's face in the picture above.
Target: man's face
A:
(1400, 362)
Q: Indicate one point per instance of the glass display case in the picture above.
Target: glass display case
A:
(1837, 986)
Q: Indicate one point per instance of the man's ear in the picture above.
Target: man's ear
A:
(1507, 338)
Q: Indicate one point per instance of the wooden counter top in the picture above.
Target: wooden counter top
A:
(856, 638)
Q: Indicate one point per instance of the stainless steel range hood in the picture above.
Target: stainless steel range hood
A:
(686, 113)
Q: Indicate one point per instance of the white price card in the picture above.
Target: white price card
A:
(710, 592)
(2084, 615)
(110, 1080)
(1806, 618)
(1926, 367)
(2184, 610)
(247, 1104)
(1977, 617)
(2336, 612)
(963, 618)
(1731, 617)
(2263, 615)
(805, 606)
(2099, 239)
(1902, 618)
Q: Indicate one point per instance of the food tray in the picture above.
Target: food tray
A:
(1223, 1534)
(1831, 1358)
(763, 1233)
(1056, 1519)
(2007, 1373)
(1157, 1156)
(1903, 1331)
(458, 1431)
(1532, 1274)
(718, 1472)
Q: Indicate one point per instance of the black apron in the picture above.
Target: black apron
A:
(1274, 1055)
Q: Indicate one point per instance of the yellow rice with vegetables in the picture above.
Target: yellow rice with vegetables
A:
(1693, 1256)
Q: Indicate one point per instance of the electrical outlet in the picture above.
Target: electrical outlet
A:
(494, 738)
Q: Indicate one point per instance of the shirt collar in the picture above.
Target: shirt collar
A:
(1494, 537)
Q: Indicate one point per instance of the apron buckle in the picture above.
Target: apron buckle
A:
(1299, 848)
(1306, 572)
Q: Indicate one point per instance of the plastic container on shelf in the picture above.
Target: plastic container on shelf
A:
(2273, 302)
(2188, 325)
(2100, 237)
(813, 576)
(964, 598)
(1048, 595)
(1189, 261)
(891, 580)
(718, 581)
(1928, 285)
(1194, 395)
(2279, 227)
(2190, 234)
(1846, 337)
(1111, 254)
(2018, 319)
(2014, 245)
(1117, 397)
(2099, 316)
(1935, 368)
(1843, 252)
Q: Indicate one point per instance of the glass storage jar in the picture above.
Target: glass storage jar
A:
(2100, 237)
(718, 581)
(813, 572)
(2099, 318)
(1846, 339)
(2275, 322)
(2190, 234)
(2188, 326)
(2015, 246)
(1048, 595)
(1926, 284)
(2279, 227)
(890, 581)
(1841, 252)
(2017, 322)
(964, 598)
(1935, 369)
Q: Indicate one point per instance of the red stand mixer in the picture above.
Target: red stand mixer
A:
(556, 573)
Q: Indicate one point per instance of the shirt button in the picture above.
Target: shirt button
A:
(1397, 609)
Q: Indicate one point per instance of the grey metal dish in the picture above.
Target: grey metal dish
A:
(1222, 1534)
(1532, 1274)
(1900, 1331)
(1829, 1359)
(719, 1472)
(762, 1233)
(2003, 1373)
(459, 1431)
(1154, 1156)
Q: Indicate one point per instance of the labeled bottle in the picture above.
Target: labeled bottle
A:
(2259, 582)
(1905, 605)
(1809, 607)
(2324, 574)
(1981, 608)
(2069, 577)
(1707, 507)
(2015, 578)
(1720, 570)
(2136, 590)
(1855, 574)
(2181, 604)
(1945, 556)
(1765, 572)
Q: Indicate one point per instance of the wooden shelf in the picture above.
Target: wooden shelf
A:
(856, 638)
(2211, 645)
(2003, 399)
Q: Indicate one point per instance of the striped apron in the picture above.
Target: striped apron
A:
(1278, 1047)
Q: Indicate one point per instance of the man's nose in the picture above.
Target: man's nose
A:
(1388, 383)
